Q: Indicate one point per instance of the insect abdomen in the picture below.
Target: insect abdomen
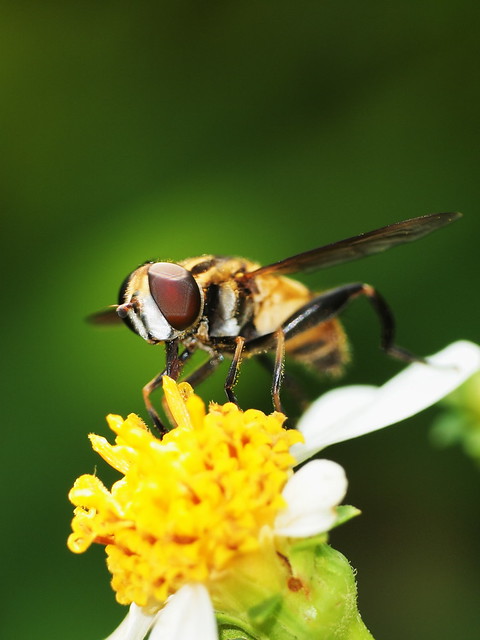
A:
(323, 348)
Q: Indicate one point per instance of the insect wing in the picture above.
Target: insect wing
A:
(365, 244)
(106, 316)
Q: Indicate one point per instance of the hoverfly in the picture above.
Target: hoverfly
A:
(236, 308)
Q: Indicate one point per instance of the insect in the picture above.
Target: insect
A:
(232, 307)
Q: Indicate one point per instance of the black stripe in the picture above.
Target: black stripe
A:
(211, 302)
(307, 348)
(332, 360)
(201, 267)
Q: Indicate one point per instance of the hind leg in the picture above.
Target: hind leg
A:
(322, 308)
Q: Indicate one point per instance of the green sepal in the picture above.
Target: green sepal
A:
(260, 613)
(230, 628)
(345, 512)
(312, 596)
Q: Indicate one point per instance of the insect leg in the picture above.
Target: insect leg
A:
(233, 371)
(329, 304)
(194, 378)
(173, 362)
(204, 370)
(295, 389)
(278, 368)
(173, 367)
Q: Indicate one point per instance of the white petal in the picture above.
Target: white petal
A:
(187, 614)
(135, 625)
(353, 411)
(322, 421)
(311, 495)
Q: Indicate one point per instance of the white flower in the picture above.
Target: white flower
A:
(313, 492)
(188, 613)
(349, 412)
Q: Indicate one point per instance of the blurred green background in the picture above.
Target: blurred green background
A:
(162, 130)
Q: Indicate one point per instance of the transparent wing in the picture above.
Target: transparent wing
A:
(365, 244)
(106, 316)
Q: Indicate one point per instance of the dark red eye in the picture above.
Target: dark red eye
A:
(176, 293)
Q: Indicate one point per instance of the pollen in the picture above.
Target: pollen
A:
(186, 506)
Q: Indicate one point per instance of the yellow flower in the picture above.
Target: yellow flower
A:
(206, 518)
(215, 489)
(187, 504)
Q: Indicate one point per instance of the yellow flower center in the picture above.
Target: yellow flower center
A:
(188, 505)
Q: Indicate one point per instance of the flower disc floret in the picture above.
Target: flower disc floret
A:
(186, 505)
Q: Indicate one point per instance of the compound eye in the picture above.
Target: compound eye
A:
(176, 293)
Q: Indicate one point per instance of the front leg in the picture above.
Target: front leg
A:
(172, 369)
